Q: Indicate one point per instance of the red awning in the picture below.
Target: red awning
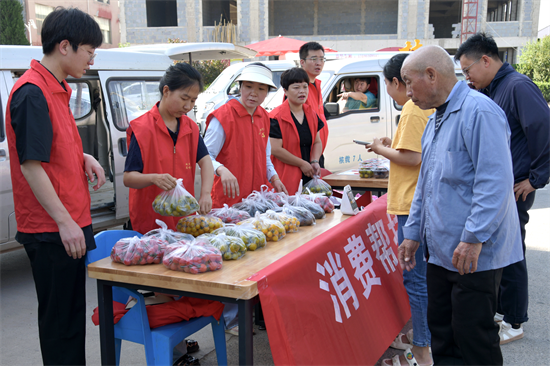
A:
(279, 46)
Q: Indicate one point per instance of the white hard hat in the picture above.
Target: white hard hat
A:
(257, 73)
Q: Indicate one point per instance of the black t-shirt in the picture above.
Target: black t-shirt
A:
(33, 141)
(134, 160)
(306, 140)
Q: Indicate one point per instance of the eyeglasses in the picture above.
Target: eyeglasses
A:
(315, 59)
(92, 55)
(466, 71)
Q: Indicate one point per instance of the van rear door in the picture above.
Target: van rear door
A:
(128, 95)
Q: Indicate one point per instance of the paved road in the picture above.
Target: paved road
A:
(18, 311)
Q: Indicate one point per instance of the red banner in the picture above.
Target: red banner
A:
(339, 299)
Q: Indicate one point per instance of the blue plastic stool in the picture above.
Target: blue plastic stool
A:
(134, 325)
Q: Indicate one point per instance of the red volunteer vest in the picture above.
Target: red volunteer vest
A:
(161, 156)
(315, 101)
(290, 175)
(243, 152)
(66, 167)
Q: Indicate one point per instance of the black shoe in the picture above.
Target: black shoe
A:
(187, 360)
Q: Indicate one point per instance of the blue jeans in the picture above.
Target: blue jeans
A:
(417, 289)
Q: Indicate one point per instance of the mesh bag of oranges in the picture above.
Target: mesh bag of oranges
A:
(272, 229)
(291, 223)
(198, 224)
(175, 202)
(231, 247)
(252, 238)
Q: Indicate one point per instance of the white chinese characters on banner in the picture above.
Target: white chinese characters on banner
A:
(340, 281)
(361, 260)
(381, 245)
(392, 225)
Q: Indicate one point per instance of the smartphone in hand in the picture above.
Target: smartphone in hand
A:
(362, 142)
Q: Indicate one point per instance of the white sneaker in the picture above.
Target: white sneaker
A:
(508, 334)
(499, 318)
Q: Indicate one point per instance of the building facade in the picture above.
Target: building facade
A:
(344, 25)
(105, 12)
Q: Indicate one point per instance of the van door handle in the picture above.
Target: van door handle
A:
(375, 119)
(122, 146)
(2, 155)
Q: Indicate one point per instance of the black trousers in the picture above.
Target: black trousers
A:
(513, 297)
(460, 316)
(60, 284)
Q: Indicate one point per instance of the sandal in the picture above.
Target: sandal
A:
(398, 342)
(396, 361)
(192, 345)
(187, 360)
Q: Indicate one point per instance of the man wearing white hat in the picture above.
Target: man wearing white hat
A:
(237, 138)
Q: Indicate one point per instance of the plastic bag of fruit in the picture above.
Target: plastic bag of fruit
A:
(166, 234)
(252, 238)
(175, 202)
(319, 198)
(135, 250)
(317, 185)
(196, 257)
(304, 216)
(255, 202)
(272, 229)
(198, 224)
(291, 223)
(231, 247)
(279, 198)
(301, 201)
(230, 215)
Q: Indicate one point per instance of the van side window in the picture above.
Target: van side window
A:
(130, 99)
(356, 94)
(80, 99)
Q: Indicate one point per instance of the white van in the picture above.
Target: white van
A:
(225, 85)
(120, 86)
(341, 153)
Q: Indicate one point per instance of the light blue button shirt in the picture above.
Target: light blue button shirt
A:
(465, 187)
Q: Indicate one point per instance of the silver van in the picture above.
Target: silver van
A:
(341, 153)
(120, 86)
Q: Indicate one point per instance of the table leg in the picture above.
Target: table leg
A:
(106, 326)
(246, 355)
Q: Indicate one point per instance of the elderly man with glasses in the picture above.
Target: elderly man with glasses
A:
(529, 118)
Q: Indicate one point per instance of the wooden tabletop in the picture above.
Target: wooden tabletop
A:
(355, 181)
(230, 281)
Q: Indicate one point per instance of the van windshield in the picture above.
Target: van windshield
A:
(221, 82)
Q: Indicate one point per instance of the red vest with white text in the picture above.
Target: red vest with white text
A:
(66, 167)
(161, 156)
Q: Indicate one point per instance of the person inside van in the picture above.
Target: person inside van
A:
(404, 153)
(49, 174)
(360, 97)
(164, 145)
(237, 138)
(295, 139)
(312, 60)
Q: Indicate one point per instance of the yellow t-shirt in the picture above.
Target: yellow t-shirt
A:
(402, 181)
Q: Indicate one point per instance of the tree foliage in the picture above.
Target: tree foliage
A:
(535, 60)
(12, 25)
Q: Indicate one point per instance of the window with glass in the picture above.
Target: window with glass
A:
(347, 90)
(130, 99)
(40, 13)
(105, 26)
(80, 101)
(161, 13)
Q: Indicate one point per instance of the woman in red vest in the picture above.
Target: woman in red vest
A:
(164, 145)
(295, 140)
(237, 137)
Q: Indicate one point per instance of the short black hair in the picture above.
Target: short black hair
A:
(310, 46)
(71, 24)
(365, 79)
(293, 76)
(392, 68)
(180, 76)
(478, 45)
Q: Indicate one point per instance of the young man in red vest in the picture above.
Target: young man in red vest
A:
(49, 173)
(312, 60)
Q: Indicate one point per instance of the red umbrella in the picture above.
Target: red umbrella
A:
(279, 46)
